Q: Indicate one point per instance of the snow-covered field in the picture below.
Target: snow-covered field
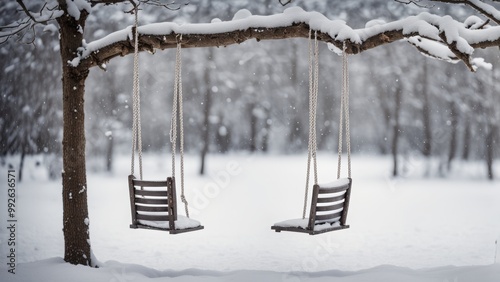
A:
(408, 229)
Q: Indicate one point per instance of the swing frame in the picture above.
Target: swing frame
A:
(157, 205)
(339, 201)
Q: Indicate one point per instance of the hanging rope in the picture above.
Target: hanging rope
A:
(346, 107)
(136, 101)
(344, 113)
(313, 101)
(177, 116)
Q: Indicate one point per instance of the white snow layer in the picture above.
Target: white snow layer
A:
(335, 184)
(182, 222)
(76, 6)
(425, 24)
(303, 222)
(56, 270)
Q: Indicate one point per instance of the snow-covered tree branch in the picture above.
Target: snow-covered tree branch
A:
(452, 40)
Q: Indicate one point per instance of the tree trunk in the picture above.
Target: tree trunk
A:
(109, 153)
(467, 136)
(396, 129)
(490, 145)
(267, 130)
(206, 111)
(453, 135)
(491, 127)
(21, 165)
(75, 210)
(386, 116)
(253, 127)
(427, 148)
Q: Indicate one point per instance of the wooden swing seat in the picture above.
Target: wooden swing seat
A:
(155, 208)
(329, 207)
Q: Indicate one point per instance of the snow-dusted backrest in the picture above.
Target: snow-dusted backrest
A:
(330, 202)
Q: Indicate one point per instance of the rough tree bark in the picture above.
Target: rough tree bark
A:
(75, 209)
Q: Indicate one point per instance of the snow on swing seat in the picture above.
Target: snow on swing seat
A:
(336, 183)
(304, 222)
(181, 223)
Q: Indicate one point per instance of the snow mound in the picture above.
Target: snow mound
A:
(56, 270)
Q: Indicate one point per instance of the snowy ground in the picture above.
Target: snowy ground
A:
(409, 229)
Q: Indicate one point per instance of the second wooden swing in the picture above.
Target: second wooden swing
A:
(329, 202)
(153, 204)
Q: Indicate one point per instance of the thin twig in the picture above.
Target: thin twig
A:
(474, 6)
(26, 11)
(156, 3)
(414, 2)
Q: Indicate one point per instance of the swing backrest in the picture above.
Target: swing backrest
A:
(330, 203)
(153, 203)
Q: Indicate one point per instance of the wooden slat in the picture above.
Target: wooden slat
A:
(292, 229)
(330, 208)
(151, 201)
(153, 217)
(331, 199)
(343, 219)
(151, 193)
(132, 200)
(148, 183)
(333, 190)
(314, 202)
(309, 231)
(174, 231)
(172, 200)
(328, 216)
(177, 231)
(152, 209)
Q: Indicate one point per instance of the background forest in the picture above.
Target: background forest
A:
(253, 97)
